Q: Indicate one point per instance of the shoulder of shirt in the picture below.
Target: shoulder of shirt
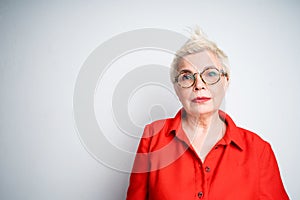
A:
(158, 125)
(251, 135)
(155, 136)
(250, 139)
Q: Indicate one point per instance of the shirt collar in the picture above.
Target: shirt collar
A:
(232, 135)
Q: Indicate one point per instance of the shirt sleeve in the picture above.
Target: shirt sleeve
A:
(271, 186)
(138, 182)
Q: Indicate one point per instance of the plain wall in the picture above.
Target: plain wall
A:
(45, 44)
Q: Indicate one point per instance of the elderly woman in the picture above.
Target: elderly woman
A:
(201, 153)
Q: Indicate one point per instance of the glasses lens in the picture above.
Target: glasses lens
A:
(186, 79)
(211, 75)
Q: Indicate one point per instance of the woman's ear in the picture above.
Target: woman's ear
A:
(226, 83)
(176, 90)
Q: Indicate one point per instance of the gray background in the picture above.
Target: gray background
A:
(43, 45)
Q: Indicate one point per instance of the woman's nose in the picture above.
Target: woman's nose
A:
(199, 84)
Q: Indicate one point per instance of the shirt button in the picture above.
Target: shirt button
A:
(207, 169)
(200, 195)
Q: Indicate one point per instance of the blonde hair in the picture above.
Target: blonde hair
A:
(198, 42)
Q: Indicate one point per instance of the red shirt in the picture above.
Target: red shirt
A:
(241, 166)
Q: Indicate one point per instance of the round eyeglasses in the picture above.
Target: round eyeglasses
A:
(209, 76)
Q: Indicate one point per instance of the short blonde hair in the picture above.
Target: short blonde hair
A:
(198, 42)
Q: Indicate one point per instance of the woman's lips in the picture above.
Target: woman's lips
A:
(201, 99)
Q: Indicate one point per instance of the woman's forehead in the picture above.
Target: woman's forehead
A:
(200, 60)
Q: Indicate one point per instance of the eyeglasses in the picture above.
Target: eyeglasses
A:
(210, 75)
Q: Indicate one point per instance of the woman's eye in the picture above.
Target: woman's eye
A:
(187, 77)
(212, 73)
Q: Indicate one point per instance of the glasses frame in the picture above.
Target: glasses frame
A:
(221, 73)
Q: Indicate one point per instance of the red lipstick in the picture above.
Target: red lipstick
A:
(201, 99)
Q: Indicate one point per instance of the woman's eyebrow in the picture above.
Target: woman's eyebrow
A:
(204, 68)
(185, 71)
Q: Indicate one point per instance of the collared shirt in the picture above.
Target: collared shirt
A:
(241, 166)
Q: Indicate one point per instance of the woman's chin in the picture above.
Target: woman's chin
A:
(201, 110)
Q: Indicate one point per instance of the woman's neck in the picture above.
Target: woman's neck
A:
(203, 132)
(202, 123)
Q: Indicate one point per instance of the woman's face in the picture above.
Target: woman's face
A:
(201, 98)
